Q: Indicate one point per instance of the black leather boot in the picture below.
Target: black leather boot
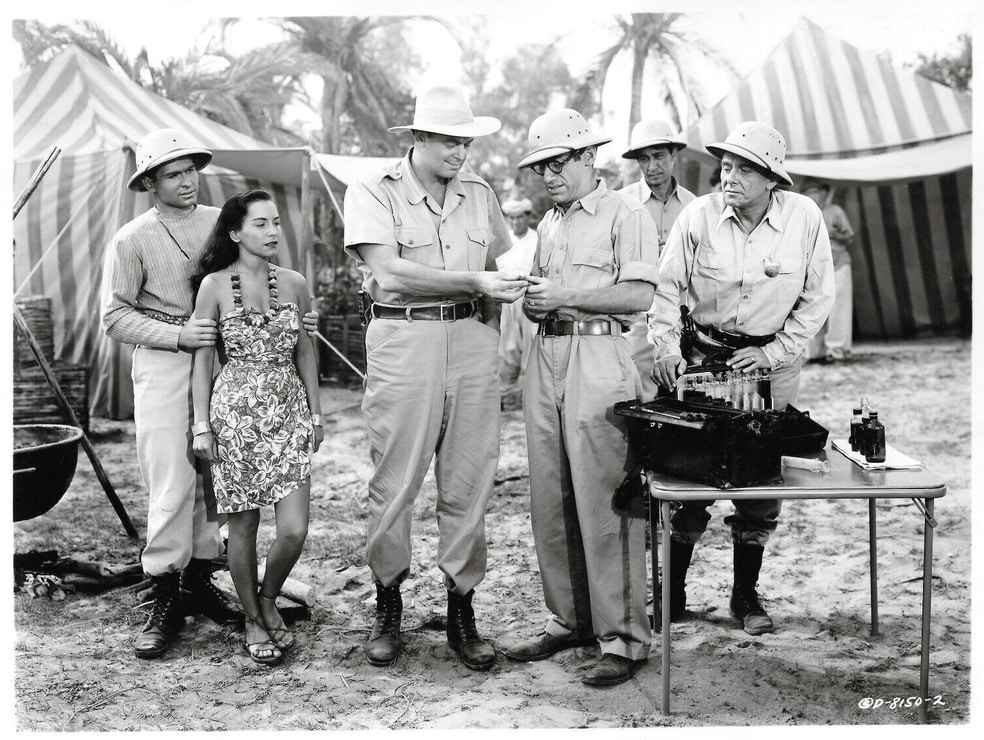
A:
(463, 635)
(203, 597)
(680, 555)
(166, 618)
(745, 604)
(384, 642)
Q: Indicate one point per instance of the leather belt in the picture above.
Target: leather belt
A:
(443, 312)
(734, 341)
(559, 327)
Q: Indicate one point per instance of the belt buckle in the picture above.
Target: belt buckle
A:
(449, 315)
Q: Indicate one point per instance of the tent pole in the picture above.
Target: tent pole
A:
(66, 407)
(307, 222)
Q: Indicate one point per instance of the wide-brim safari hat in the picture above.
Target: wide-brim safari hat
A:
(163, 146)
(444, 110)
(652, 133)
(759, 144)
(559, 131)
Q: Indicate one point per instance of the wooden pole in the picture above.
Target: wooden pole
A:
(66, 407)
(36, 179)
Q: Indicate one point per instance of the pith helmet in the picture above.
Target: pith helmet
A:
(443, 110)
(759, 144)
(652, 133)
(559, 131)
(163, 146)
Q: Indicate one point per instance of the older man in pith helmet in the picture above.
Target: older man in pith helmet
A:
(149, 304)
(654, 146)
(426, 234)
(593, 274)
(752, 264)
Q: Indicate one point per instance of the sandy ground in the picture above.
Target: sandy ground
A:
(74, 668)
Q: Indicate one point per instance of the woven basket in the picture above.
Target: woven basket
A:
(36, 311)
(35, 403)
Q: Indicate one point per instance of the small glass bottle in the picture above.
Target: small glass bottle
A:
(855, 438)
(874, 435)
(865, 418)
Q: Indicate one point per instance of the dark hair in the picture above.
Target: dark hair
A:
(220, 250)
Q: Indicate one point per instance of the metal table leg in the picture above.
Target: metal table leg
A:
(873, 562)
(665, 609)
(927, 597)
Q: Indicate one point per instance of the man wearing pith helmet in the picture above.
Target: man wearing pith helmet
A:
(654, 146)
(149, 304)
(753, 265)
(426, 234)
(593, 274)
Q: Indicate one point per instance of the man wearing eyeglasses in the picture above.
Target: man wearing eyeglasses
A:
(593, 273)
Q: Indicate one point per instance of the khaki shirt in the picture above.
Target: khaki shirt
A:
(664, 213)
(602, 239)
(721, 272)
(394, 209)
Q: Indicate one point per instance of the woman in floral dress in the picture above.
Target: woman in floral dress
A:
(260, 420)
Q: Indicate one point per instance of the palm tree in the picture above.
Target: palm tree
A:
(246, 92)
(363, 64)
(656, 37)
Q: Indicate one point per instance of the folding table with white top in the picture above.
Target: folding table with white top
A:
(844, 480)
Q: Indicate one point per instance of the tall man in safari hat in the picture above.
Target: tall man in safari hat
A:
(654, 146)
(593, 274)
(753, 265)
(149, 304)
(426, 234)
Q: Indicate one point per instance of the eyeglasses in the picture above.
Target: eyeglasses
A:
(554, 165)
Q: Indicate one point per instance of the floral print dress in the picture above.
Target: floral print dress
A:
(259, 410)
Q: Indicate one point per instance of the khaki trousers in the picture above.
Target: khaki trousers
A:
(432, 391)
(592, 559)
(180, 525)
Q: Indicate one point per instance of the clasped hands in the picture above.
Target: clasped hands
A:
(540, 295)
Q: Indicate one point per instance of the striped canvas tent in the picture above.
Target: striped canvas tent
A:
(95, 117)
(896, 149)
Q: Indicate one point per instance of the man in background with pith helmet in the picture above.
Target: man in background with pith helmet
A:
(752, 263)
(593, 274)
(654, 146)
(426, 234)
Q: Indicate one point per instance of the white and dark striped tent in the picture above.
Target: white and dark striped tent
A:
(896, 149)
(95, 117)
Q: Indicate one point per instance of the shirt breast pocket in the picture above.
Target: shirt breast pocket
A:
(594, 266)
(412, 241)
(479, 241)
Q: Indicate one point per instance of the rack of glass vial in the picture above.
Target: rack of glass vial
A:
(745, 391)
(867, 433)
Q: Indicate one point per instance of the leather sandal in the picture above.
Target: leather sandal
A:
(264, 652)
(279, 634)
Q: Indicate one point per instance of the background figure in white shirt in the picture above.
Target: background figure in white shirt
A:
(516, 330)
(833, 342)
(654, 146)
